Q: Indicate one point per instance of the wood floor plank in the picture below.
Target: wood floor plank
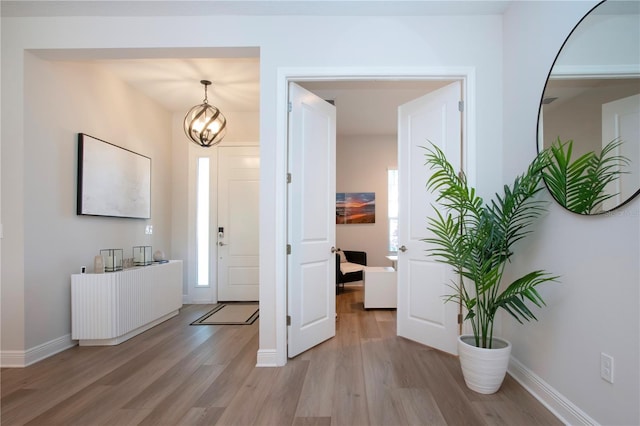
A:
(256, 389)
(349, 397)
(450, 397)
(177, 403)
(368, 326)
(316, 396)
(79, 370)
(519, 407)
(177, 374)
(279, 407)
(224, 388)
(123, 417)
(201, 416)
(419, 407)
(137, 376)
(312, 421)
(65, 413)
(174, 377)
(380, 382)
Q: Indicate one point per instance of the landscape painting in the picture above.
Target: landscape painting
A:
(355, 207)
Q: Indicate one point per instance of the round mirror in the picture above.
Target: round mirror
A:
(589, 117)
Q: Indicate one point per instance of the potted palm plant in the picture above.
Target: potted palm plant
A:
(477, 238)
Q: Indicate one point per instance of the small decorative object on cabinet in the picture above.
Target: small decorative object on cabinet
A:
(98, 264)
(158, 256)
(142, 255)
(112, 259)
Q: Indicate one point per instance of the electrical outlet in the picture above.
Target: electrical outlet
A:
(606, 367)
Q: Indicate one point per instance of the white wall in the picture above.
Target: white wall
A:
(595, 307)
(361, 166)
(61, 100)
(377, 42)
(563, 348)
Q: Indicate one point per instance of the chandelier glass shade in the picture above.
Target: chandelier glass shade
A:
(204, 124)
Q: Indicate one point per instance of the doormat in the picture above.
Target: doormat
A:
(230, 314)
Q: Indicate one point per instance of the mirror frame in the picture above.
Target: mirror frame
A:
(539, 137)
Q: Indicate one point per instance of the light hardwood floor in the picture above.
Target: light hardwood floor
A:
(177, 374)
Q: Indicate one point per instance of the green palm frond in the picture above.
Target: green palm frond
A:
(476, 239)
(513, 298)
(580, 184)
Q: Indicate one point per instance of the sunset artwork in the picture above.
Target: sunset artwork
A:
(355, 207)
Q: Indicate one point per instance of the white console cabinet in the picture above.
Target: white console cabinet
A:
(109, 308)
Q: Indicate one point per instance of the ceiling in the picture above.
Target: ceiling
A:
(362, 107)
(172, 77)
(175, 83)
(11, 8)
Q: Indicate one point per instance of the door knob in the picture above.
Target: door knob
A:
(221, 244)
(402, 249)
(333, 250)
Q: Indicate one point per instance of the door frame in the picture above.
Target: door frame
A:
(305, 74)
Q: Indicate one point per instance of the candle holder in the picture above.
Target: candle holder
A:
(112, 259)
(142, 255)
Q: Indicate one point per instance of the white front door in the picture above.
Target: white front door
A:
(311, 193)
(422, 314)
(237, 230)
(621, 119)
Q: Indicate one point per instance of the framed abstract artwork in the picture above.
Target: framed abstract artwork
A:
(112, 181)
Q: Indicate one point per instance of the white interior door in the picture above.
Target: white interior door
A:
(422, 314)
(237, 230)
(311, 220)
(621, 119)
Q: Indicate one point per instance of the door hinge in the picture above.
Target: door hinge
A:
(288, 319)
(288, 177)
(459, 318)
(461, 106)
(289, 107)
(288, 248)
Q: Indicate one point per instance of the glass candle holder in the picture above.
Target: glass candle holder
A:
(112, 259)
(142, 255)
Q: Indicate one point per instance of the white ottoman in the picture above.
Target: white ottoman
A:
(380, 287)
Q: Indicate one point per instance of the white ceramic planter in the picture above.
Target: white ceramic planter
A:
(483, 369)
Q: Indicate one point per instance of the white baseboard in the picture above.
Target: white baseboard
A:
(20, 359)
(267, 358)
(557, 403)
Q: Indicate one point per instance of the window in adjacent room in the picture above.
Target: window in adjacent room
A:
(392, 184)
(202, 222)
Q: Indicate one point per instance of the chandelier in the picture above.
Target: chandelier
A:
(204, 124)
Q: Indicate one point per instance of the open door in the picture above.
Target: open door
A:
(311, 193)
(422, 314)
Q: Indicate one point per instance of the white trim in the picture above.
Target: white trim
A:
(286, 75)
(558, 404)
(38, 353)
(267, 358)
(202, 302)
(594, 71)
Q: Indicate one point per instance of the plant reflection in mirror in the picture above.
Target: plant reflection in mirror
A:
(581, 185)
